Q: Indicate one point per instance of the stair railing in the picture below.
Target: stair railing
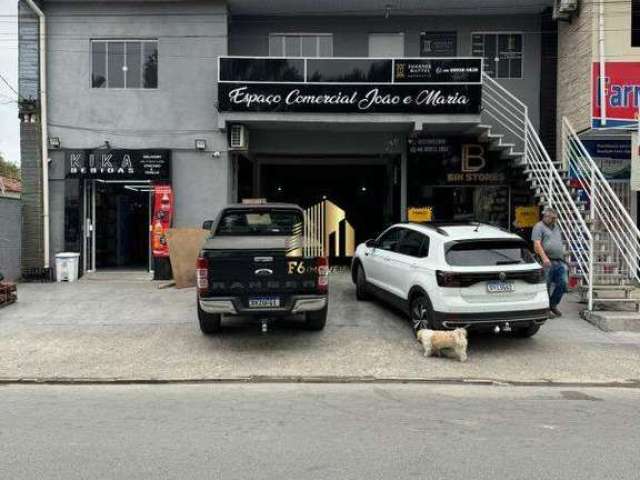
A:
(509, 116)
(606, 211)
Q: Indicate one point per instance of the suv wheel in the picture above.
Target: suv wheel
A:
(526, 332)
(421, 313)
(316, 320)
(209, 322)
(361, 285)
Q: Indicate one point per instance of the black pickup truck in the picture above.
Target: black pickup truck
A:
(253, 264)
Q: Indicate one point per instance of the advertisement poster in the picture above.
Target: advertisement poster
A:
(622, 90)
(161, 220)
(439, 44)
(613, 158)
(527, 216)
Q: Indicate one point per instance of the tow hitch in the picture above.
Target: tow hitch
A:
(505, 328)
(264, 322)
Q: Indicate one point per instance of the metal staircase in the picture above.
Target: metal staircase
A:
(602, 239)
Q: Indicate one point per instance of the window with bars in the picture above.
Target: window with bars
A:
(300, 45)
(635, 23)
(124, 64)
(502, 53)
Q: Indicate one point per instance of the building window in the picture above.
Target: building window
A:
(300, 45)
(124, 64)
(502, 53)
(635, 23)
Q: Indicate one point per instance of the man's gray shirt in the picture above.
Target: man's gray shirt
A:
(551, 240)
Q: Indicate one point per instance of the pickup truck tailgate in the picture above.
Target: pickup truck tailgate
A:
(243, 273)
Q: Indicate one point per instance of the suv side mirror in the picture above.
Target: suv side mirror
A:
(371, 243)
(207, 224)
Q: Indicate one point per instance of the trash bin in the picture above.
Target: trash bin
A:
(67, 266)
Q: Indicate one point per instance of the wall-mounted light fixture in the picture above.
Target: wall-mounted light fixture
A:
(201, 144)
(54, 143)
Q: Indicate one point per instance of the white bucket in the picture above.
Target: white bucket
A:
(67, 266)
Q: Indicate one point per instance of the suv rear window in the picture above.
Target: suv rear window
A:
(260, 222)
(488, 253)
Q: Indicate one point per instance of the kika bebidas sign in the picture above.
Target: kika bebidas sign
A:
(422, 86)
(119, 164)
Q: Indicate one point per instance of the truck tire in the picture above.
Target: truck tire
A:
(526, 332)
(316, 320)
(209, 322)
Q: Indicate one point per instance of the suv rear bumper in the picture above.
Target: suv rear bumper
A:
(490, 319)
(234, 306)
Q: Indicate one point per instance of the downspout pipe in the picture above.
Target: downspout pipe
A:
(44, 130)
(603, 71)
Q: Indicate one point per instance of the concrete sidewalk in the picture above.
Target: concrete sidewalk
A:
(130, 330)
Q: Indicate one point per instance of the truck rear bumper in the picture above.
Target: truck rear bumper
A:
(233, 306)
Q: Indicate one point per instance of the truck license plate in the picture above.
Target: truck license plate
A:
(499, 286)
(267, 302)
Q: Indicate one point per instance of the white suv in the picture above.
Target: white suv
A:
(446, 275)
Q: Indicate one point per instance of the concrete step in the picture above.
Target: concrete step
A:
(610, 321)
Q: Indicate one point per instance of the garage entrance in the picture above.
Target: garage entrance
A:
(349, 200)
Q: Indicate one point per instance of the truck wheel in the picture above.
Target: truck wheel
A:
(209, 322)
(526, 332)
(316, 320)
(361, 285)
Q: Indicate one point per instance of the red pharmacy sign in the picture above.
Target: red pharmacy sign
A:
(622, 91)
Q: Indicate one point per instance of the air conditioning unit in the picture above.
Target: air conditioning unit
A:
(238, 137)
(565, 9)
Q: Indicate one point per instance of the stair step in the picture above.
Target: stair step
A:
(609, 287)
(625, 300)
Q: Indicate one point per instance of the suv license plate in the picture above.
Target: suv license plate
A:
(264, 302)
(499, 286)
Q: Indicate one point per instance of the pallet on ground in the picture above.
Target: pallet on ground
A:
(8, 293)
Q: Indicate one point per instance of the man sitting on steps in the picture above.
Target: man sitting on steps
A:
(547, 242)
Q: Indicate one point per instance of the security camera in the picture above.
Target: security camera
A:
(216, 154)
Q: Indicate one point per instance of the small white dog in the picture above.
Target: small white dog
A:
(450, 344)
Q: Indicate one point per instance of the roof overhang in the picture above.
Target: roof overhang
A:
(385, 8)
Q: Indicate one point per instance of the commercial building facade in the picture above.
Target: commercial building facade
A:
(166, 111)
(599, 87)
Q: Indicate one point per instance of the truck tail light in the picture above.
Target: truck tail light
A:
(202, 274)
(323, 274)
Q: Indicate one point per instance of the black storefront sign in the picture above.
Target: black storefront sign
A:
(118, 164)
(438, 44)
(438, 71)
(349, 98)
(327, 85)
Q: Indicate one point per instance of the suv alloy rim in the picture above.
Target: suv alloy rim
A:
(420, 314)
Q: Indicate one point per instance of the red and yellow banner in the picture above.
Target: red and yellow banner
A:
(161, 220)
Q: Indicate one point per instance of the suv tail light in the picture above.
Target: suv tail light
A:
(448, 279)
(202, 274)
(322, 263)
(537, 276)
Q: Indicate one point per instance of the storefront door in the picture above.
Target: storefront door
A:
(89, 243)
(117, 219)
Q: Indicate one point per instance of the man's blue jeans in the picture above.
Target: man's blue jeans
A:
(557, 276)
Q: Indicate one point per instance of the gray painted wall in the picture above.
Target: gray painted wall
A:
(10, 237)
(191, 35)
(28, 62)
(249, 36)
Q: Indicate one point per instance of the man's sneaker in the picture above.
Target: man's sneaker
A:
(556, 312)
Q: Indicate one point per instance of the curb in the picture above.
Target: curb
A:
(633, 384)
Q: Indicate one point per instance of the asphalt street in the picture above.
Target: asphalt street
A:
(287, 431)
(131, 330)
